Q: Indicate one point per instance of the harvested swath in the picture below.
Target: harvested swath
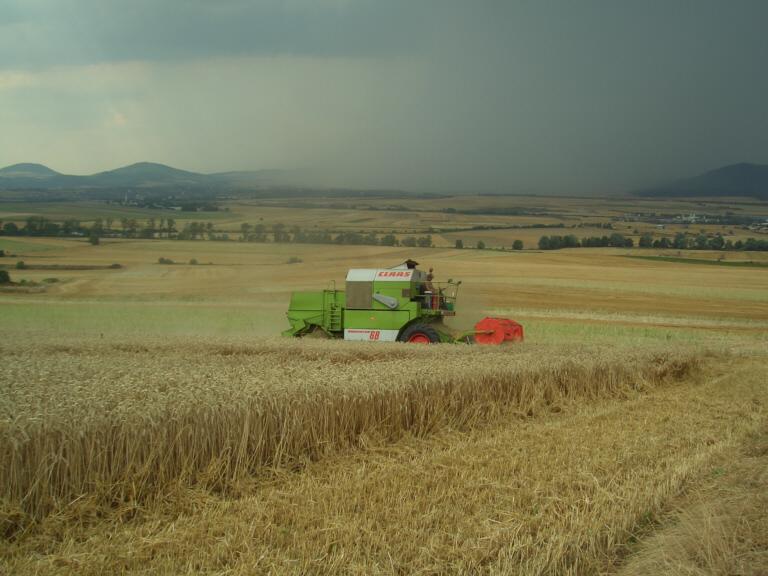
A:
(124, 423)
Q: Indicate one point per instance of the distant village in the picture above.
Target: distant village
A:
(759, 225)
(169, 203)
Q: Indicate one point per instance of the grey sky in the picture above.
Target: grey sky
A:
(549, 96)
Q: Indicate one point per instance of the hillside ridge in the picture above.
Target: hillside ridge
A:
(743, 179)
(31, 176)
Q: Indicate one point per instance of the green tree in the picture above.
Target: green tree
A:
(259, 233)
(299, 235)
(5, 278)
(480, 245)
(459, 243)
(680, 241)
(616, 240)
(152, 227)
(517, 245)
(280, 234)
(70, 227)
(424, 241)
(389, 240)
(716, 243)
(147, 232)
(646, 240)
(570, 241)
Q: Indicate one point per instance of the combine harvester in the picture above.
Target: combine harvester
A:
(387, 305)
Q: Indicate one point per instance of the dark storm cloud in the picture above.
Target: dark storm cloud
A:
(55, 32)
(592, 95)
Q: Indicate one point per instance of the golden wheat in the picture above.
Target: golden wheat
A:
(123, 422)
(563, 492)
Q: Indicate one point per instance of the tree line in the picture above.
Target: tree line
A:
(681, 241)
(167, 228)
(283, 234)
(125, 227)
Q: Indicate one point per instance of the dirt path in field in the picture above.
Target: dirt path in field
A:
(718, 527)
(567, 492)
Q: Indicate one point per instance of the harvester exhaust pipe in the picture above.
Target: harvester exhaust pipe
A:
(495, 331)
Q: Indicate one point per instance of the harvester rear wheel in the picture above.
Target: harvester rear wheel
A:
(420, 334)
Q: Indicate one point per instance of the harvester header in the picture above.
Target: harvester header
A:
(402, 304)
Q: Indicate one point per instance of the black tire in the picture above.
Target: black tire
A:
(415, 330)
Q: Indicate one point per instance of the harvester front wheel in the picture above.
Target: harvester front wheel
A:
(420, 334)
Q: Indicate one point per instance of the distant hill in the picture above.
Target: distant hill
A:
(145, 175)
(750, 180)
(148, 174)
(27, 170)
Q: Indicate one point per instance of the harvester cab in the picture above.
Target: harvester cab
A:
(390, 304)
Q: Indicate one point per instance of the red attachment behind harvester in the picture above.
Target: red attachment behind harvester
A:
(497, 330)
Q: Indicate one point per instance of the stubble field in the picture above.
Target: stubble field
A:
(153, 423)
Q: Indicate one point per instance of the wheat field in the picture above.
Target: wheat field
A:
(159, 414)
(320, 457)
(151, 422)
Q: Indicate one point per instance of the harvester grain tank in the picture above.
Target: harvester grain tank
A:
(391, 304)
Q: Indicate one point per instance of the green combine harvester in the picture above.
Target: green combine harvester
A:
(399, 304)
